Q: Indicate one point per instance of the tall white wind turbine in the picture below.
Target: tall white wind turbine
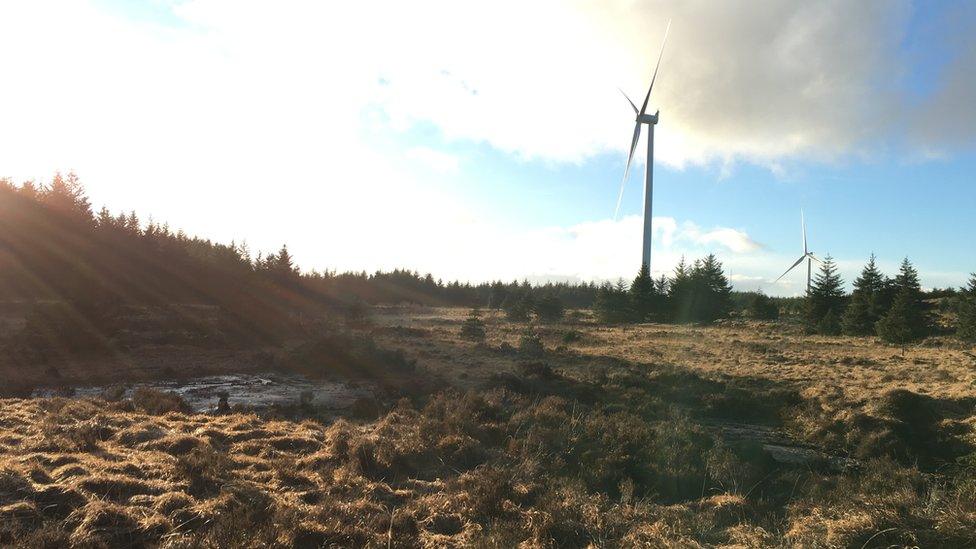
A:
(807, 254)
(651, 121)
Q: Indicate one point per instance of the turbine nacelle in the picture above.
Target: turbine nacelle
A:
(648, 118)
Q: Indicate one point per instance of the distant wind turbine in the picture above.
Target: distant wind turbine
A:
(807, 254)
(650, 120)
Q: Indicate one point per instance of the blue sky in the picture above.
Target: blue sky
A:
(376, 135)
(886, 205)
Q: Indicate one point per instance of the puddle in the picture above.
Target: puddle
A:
(253, 390)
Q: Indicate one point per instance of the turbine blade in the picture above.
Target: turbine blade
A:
(813, 257)
(630, 159)
(647, 97)
(798, 261)
(628, 100)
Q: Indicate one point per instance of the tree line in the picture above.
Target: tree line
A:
(53, 246)
(895, 309)
(698, 292)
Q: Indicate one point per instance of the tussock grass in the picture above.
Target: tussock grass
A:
(483, 469)
(611, 443)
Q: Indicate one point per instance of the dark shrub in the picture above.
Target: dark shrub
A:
(473, 327)
(113, 393)
(355, 312)
(538, 370)
(530, 344)
(367, 408)
(517, 308)
(763, 307)
(156, 402)
(550, 308)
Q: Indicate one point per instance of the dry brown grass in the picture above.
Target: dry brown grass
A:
(610, 437)
(839, 377)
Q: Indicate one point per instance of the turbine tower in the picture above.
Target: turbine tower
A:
(651, 121)
(807, 254)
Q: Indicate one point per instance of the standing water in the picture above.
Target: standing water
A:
(251, 390)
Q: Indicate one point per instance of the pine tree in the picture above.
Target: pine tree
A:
(473, 327)
(966, 322)
(281, 262)
(826, 296)
(612, 303)
(864, 310)
(280, 267)
(763, 307)
(857, 319)
(908, 318)
(550, 308)
(643, 298)
(528, 298)
(661, 285)
(516, 307)
(680, 292)
(104, 219)
(886, 297)
(66, 197)
(898, 326)
(497, 295)
(829, 324)
(713, 299)
(132, 223)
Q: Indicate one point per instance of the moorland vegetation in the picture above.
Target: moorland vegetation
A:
(664, 412)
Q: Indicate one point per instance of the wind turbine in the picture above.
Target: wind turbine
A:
(651, 121)
(807, 254)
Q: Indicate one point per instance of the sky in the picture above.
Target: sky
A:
(482, 140)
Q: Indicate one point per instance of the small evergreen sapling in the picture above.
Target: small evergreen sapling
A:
(516, 307)
(899, 325)
(473, 327)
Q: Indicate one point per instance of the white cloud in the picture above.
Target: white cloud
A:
(732, 239)
(437, 161)
(745, 278)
